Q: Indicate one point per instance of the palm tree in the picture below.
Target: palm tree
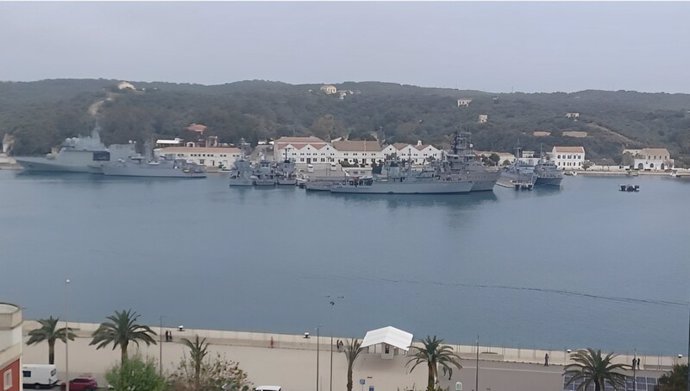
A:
(198, 350)
(434, 353)
(49, 332)
(352, 349)
(591, 368)
(120, 331)
(676, 380)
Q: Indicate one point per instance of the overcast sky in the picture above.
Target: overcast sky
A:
(493, 46)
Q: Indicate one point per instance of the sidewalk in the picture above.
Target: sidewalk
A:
(290, 361)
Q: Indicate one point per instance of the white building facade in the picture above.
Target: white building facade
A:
(568, 158)
(654, 159)
(304, 150)
(418, 154)
(358, 152)
(218, 157)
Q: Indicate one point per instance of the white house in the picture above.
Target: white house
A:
(163, 143)
(364, 152)
(464, 102)
(572, 115)
(304, 150)
(329, 89)
(483, 118)
(418, 154)
(568, 158)
(655, 159)
(221, 157)
(124, 85)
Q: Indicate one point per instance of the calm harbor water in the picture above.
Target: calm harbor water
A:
(586, 265)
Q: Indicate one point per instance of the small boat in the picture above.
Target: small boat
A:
(630, 188)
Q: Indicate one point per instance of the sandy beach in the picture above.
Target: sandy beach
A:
(290, 361)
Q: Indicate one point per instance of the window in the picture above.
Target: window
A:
(201, 161)
(8, 379)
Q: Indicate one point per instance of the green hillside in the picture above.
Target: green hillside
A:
(41, 114)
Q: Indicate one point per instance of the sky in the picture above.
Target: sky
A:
(488, 46)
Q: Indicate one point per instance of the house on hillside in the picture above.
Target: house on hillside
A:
(464, 102)
(124, 85)
(329, 89)
(574, 116)
(654, 159)
(483, 118)
(568, 158)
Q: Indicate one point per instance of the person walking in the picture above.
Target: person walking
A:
(546, 360)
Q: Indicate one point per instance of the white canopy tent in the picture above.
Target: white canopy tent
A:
(388, 336)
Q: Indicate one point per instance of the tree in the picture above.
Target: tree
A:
(49, 332)
(120, 331)
(495, 159)
(214, 375)
(676, 380)
(352, 349)
(434, 354)
(591, 368)
(135, 374)
(198, 350)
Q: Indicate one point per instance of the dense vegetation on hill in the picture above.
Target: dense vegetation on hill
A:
(41, 114)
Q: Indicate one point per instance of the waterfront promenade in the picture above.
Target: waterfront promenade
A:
(290, 361)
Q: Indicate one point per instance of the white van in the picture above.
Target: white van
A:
(268, 388)
(39, 375)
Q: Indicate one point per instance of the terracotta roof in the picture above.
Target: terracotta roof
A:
(306, 140)
(357, 145)
(569, 149)
(655, 151)
(200, 150)
(400, 146)
(300, 145)
(199, 128)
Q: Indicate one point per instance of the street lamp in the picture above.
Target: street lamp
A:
(332, 303)
(160, 353)
(67, 281)
(317, 358)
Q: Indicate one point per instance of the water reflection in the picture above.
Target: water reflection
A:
(394, 201)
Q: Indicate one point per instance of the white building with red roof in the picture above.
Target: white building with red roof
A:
(218, 157)
(654, 159)
(358, 151)
(568, 158)
(418, 154)
(304, 150)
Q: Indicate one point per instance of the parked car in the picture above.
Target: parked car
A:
(85, 383)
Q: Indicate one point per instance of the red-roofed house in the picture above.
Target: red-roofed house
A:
(568, 158)
(652, 159)
(363, 151)
(198, 128)
(419, 153)
(219, 157)
(305, 150)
